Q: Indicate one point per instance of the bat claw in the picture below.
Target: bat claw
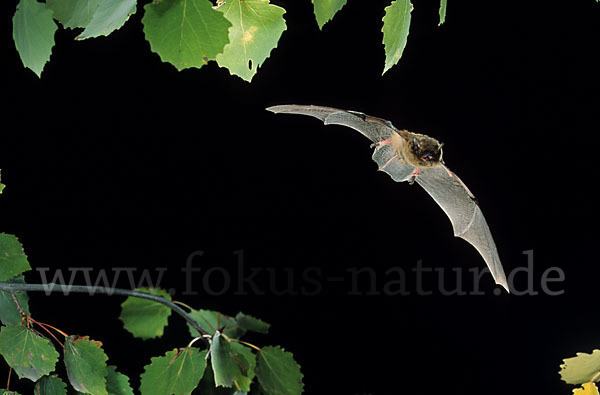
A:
(381, 143)
(414, 175)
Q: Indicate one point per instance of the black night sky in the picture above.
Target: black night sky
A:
(114, 159)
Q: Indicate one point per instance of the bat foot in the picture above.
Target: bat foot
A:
(414, 175)
(381, 143)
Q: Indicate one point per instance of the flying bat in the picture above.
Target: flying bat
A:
(415, 157)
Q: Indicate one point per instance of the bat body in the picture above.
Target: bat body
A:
(415, 157)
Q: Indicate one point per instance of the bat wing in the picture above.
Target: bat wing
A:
(443, 186)
(452, 195)
(375, 129)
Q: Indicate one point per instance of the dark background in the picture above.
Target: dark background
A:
(115, 159)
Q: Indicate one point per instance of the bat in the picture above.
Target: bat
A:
(415, 157)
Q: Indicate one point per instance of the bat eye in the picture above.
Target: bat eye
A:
(416, 142)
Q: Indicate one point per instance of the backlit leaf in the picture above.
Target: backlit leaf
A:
(27, 352)
(117, 383)
(588, 389)
(228, 365)
(86, 365)
(9, 312)
(50, 385)
(256, 29)
(326, 9)
(185, 33)
(582, 368)
(396, 24)
(278, 372)
(13, 260)
(252, 324)
(442, 12)
(33, 33)
(246, 357)
(144, 318)
(178, 372)
(109, 16)
(73, 13)
(211, 321)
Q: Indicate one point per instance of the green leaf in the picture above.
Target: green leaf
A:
(256, 29)
(117, 383)
(5, 392)
(207, 385)
(50, 385)
(277, 371)
(227, 365)
(396, 23)
(582, 368)
(27, 352)
(33, 33)
(1, 187)
(246, 357)
(185, 33)
(211, 321)
(108, 17)
(252, 324)
(442, 12)
(144, 318)
(175, 373)
(73, 13)
(9, 312)
(326, 9)
(86, 365)
(13, 260)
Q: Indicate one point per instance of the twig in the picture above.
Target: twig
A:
(16, 300)
(53, 287)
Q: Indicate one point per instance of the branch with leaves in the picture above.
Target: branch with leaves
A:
(29, 346)
(238, 34)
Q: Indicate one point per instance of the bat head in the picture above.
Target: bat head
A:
(423, 151)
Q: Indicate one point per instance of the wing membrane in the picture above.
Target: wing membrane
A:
(468, 221)
(387, 159)
(450, 193)
(375, 129)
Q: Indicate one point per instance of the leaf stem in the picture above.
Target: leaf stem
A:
(184, 305)
(8, 379)
(17, 303)
(243, 342)
(53, 287)
(596, 377)
(196, 338)
(43, 326)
